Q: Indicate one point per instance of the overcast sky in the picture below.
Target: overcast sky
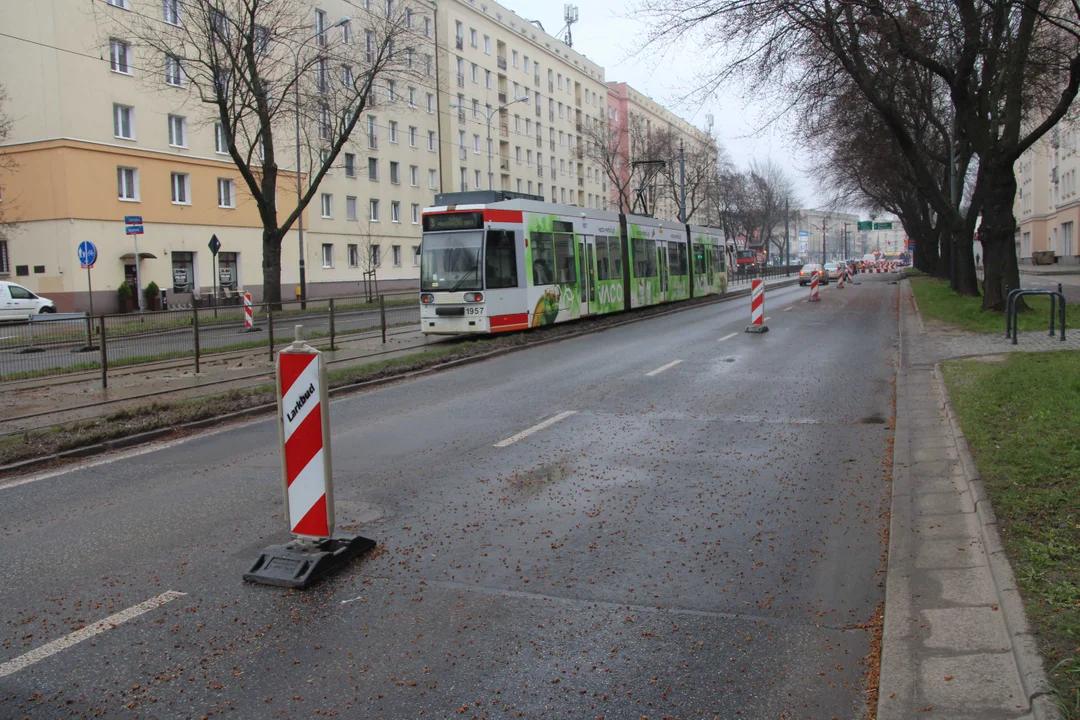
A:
(606, 36)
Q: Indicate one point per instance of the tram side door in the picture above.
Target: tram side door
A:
(587, 262)
(662, 268)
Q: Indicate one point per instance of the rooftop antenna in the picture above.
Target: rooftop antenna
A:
(709, 120)
(570, 15)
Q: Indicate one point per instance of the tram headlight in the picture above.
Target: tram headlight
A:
(474, 297)
(427, 298)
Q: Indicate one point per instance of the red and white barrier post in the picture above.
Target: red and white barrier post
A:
(757, 307)
(249, 315)
(814, 287)
(307, 476)
(840, 278)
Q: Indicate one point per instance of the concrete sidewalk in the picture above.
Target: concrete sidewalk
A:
(956, 641)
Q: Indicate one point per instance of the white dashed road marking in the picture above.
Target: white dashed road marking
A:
(60, 644)
(727, 337)
(662, 368)
(535, 428)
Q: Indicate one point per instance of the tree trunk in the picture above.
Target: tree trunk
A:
(944, 263)
(966, 282)
(926, 252)
(998, 234)
(272, 268)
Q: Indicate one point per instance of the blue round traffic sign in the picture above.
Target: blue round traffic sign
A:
(87, 253)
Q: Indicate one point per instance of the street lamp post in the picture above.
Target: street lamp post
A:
(299, 188)
(490, 114)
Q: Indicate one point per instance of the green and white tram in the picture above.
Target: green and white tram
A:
(499, 261)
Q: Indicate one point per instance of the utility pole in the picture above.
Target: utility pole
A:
(682, 183)
(824, 234)
(787, 238)
(952, 199)
(845, 241)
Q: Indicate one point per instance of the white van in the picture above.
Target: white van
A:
(16, 302)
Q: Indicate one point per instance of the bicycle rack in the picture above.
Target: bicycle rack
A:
(1057, 302)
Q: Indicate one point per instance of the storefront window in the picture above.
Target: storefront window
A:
(228, 275)
(183, 270)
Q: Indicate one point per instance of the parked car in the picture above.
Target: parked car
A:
(16, 302)
(807, 272)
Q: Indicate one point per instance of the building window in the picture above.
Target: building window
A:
(391, 94)
(412, 97)
(476, 144)
(487, 45)
(120, 56)
(174, 72)
(226, 193)
(472, 36)
(124, 122)
(376, 256)
(431, 140)
(327, 205)
(515, 58)
(395, 211)
(320, 26)
(5, 259)
(327, 255)
(396, 251)
(372, 132)
(464, 179)
(393, 131)
(431, 103)
(433, 181)
(414, 176)
(372, 168)
(220, 146)
(346, 32)
(412, 136)
(415, 213)
(177, 131)
(373, 207)
(394, 173)
(127, 183)
(415, 255)
(350, 208)
(476, 179)
(183, 271)
(181, 188)
(487, 79)
(122, 4)
(350, 165)
(354, 256)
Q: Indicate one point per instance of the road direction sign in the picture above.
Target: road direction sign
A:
(133, 219)
(866, 225)
(214, 245)
(883, 226)
(87, 254)
(134, 230)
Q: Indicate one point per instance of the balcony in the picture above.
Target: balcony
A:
(539, 143)
(504, 166)
(502, 98)
(581, 182)
(460, 80)
(459, 43)
(578, 126)
(504, 131)
(501, 62)
(540, 172)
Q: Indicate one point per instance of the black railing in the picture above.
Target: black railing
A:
(57, 345)
(1057, 305)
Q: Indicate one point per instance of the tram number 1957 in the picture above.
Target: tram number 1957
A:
(474, 311)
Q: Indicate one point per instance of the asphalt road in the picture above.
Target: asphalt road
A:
(699, 541)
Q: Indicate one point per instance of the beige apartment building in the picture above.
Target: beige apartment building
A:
(1047, 206)
(517, 101)
(105, 129)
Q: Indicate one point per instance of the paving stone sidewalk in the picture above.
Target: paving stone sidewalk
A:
(956, 641)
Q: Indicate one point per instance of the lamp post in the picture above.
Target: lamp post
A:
(490, 114)
(299, 189)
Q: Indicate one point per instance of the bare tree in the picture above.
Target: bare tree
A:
(7, 167)
(606, 145)
(1011, 69)
(238, 59)
(700, 159)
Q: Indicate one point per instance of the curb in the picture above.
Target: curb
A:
(257, 410)
(1025, 648)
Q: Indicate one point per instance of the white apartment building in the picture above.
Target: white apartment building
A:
(516, 103)
(1047, 206)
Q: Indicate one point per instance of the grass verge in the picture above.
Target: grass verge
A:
(938, 302)
(1022, 419)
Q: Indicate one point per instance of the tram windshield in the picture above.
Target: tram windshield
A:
(451, 261)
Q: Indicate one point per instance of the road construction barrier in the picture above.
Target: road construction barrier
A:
(757, 307)
(304, 434)
(248, 317)
(814, 287)
(840, 277)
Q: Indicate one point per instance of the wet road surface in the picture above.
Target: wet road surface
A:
(698, 538)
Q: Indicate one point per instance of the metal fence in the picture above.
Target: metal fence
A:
(50, 345)
(746, 274)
